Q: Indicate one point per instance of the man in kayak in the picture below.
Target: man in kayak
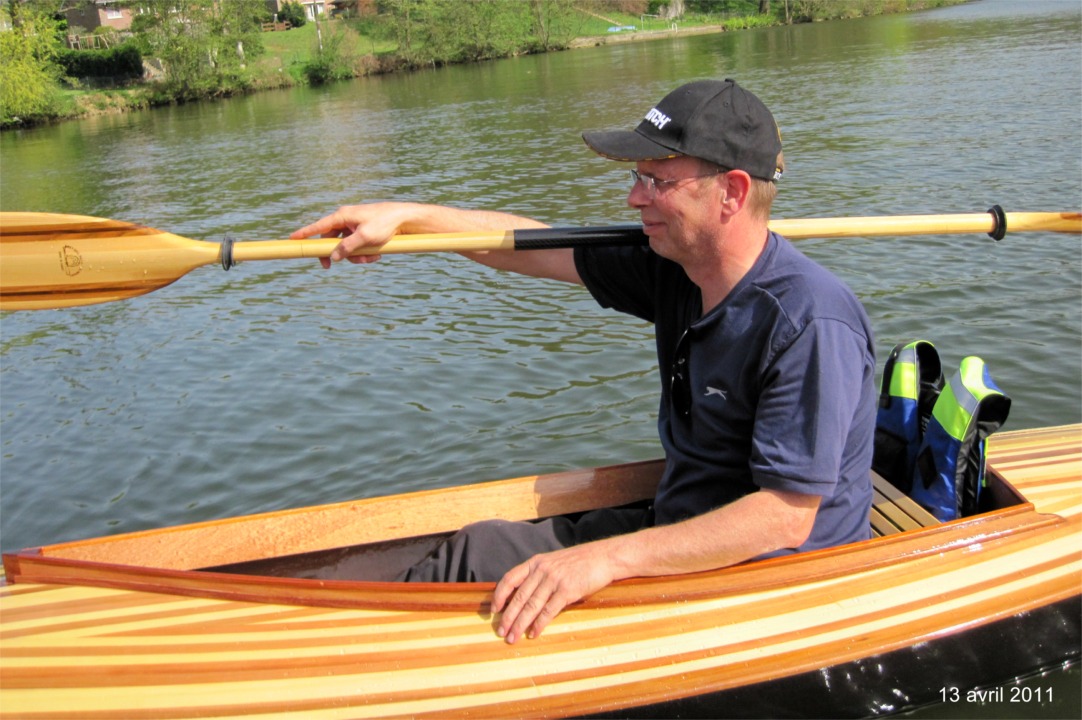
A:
(767, 365)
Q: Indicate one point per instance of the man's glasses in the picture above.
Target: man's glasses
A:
(653, 185)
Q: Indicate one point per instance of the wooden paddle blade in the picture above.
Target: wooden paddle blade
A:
(49, 260)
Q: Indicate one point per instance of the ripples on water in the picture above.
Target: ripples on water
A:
(318, 386)
(279, 385)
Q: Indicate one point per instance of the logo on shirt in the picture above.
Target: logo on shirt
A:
(714, 391)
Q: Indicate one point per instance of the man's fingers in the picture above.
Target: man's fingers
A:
(550, 610)
(505, 588)
(522, 611)
(327, 226)
(357, 226)
(539, 597)
(530, 595)
(520, 595)
(363, 259)
(305, 232)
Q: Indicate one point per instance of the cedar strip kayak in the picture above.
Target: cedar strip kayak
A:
(254, 616)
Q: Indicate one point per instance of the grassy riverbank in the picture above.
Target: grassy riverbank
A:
(342, 49)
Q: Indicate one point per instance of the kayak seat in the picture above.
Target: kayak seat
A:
(893, 511)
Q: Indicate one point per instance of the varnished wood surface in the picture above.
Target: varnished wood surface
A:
(893, 511)
(53, 261)
(255, 537)
(87, 651)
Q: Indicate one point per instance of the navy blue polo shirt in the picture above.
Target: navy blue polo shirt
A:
(773, 388)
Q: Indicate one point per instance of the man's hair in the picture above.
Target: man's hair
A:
(763, 194)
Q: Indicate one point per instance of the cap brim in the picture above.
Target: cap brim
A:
(626, 145)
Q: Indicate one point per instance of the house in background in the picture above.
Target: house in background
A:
(100, 13)
(313, 9)
(113, 14)
(353, 8)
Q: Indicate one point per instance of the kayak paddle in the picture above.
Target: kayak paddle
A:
(49, 260)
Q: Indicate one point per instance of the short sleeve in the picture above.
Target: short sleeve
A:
(812, 391)
(621, 278)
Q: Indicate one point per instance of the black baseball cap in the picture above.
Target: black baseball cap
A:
(713, 120)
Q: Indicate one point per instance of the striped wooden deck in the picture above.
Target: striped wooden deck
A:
(102, 646)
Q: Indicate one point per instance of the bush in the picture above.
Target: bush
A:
(29, 74)
(293, 13)
(121, 61)
(332, 57)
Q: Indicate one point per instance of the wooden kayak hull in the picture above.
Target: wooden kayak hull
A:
(863, 629)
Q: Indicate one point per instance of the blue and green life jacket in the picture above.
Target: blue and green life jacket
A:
(950, 464)
(912, 379)
(930, 438)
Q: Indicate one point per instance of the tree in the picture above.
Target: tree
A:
(555, 22)
(489, 29)
(415, 26)
(204, 45)
(293, 13)
(29, 72)
(333, 56)
(434, 32)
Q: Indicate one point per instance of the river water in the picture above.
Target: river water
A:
(280, 384)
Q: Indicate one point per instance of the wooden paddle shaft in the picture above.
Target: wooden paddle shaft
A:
(549, 238)
(49, 260)
(995, 222)
(533, 239)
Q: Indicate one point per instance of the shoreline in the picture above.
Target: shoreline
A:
(644, 35)
(141, 95)
(118, 101)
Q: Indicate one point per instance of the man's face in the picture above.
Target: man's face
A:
(681, 211)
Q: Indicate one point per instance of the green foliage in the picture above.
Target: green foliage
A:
(818, 10)
(333, 57)
(142, 25)
(293, 13)
(555, 23)
(723, 7)
(204, 46)
(437, 32)
(211, 48)
(748, 22)
(812, 10)
(29, 72)
(120, 61)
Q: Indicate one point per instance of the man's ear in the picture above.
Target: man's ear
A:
(736, 191)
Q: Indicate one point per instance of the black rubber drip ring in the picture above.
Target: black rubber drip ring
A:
(1000, 230)
(227, 253)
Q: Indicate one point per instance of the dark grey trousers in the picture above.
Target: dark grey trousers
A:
(484, 551)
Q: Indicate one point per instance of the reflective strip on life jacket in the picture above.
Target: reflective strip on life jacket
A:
(961, 398)
(904, 381)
